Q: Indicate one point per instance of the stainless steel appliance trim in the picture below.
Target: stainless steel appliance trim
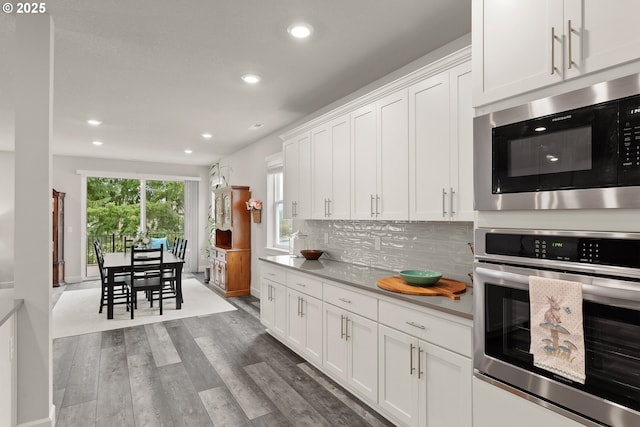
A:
(480, 251)
(593, 198)
(536, 400)
(556, 391)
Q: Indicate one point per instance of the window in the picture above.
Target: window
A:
(279, 229)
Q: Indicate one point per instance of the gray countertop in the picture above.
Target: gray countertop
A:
(367, 278)
(8, 304)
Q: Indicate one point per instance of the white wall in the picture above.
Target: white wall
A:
(7, 214)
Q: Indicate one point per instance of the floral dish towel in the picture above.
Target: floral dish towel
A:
(557, 333)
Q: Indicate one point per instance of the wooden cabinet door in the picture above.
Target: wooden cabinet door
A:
(603, 34)
(397, 377)
(362, 339)
(290, 177)
(429, 142)
(513, 49)
(446, 384)
(461, 150)
(339, 206)
(335, 346)
(321, 171)
(392, 202)
(311, 314)
(363, 163)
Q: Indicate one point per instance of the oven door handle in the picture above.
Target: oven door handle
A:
(617, 293)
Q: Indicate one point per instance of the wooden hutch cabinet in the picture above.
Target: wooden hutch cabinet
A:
(57, 201)
(231, 257)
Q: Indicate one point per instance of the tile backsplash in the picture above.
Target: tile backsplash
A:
(437, 246)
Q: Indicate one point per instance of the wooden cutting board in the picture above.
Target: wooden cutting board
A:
(444, 287)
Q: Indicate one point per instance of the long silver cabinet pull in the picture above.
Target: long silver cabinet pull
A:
(301, 307)
(372, 211)
(451, 193)
(341, 326)
(378, 207)
(553, 50)
(298, 306)
(415, 325)
(411, 368)
(444, 195)
(348, 301)
(569, 36)
(420, 350)
(346, 328)
(328, 207)
(269, 293)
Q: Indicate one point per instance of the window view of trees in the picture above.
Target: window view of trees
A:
(113, 211)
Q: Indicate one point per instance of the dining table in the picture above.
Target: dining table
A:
(120, 262)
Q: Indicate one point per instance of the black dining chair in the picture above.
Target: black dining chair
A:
(146, 273)
(120, 290)
(127, 243)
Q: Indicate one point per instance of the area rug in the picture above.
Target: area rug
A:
(76, 312)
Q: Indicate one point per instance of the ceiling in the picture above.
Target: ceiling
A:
(160, 73)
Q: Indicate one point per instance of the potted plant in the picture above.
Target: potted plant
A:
(206, 251)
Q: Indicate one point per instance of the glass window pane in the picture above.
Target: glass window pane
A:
(165, 209)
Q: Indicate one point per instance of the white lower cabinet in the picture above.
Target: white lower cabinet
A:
(350, 349)
(304, 324)
(273, 306)
(422, 384)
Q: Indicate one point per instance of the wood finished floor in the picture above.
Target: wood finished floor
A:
(220, 370)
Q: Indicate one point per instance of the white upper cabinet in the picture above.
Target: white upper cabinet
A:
(297, 177)
(380, 147)
(331, 165)
(364, 163)
(526, 45)
(441, 147)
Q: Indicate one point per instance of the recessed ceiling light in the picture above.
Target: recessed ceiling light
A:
(187, 151)
(94, 122)
(97, 143)
(540, 129)
(255, 126)
(207, 135)
(251, 78)
(300, 31)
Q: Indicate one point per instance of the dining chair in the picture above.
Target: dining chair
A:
(120, 291)
(174, 247)
(127, 243)
(146, 273)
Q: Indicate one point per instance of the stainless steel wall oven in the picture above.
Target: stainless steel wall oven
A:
(572, 151)
(608, 266)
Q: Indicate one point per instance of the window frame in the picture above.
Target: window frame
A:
(275, 205)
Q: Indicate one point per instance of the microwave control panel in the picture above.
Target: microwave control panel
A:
(629, 141)
(616, 252)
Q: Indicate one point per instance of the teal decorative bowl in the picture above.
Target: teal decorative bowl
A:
(420, 277)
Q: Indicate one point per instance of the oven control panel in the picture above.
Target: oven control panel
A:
(590, 250)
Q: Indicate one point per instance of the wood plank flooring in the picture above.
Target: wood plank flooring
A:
(215, 370)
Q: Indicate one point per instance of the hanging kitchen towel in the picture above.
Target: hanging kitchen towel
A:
(557, 334)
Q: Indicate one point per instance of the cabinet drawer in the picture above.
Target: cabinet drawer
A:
(355, 302)
(273, 273)
(305, 284)
(434, 329)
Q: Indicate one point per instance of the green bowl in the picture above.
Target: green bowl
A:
(420, 277)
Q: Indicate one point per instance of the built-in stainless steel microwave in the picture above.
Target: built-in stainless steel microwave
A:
(579, 150)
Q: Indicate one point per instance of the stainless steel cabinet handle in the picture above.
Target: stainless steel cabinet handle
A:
(451, 193)
(411, 368)
(415, 325)
(553, 50)
(569, 31)
(298, 306)
(269, 293)
(378, 207)
(301, 284)
(325, 207)
(301, 307)
(328, 207)
(420, 350)
(341, 326)
(348, 301)
(444, 195)
(372, 212)
(346, 328)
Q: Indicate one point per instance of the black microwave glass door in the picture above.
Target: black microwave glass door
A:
(612, 363)
(571, 150)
